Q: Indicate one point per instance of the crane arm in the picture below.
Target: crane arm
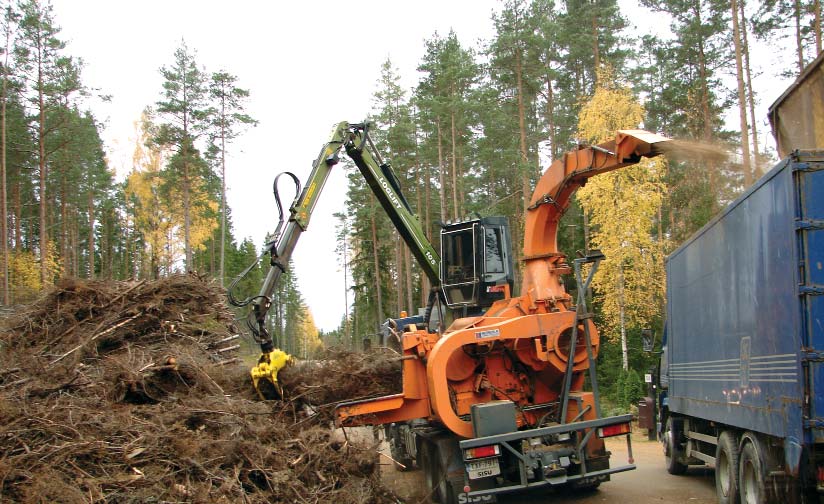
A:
(380, 178)
(300, 211)
(386, 188)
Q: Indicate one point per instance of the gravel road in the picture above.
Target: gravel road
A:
(650, 482)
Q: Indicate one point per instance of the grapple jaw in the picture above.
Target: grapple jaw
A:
(265, 374)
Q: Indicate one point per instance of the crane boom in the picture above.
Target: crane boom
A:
(354, 139)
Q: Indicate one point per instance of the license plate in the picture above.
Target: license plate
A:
(483, 468)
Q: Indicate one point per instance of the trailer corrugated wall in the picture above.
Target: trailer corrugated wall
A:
(745, 306)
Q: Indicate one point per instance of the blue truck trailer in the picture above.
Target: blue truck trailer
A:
(743, 362)
(742, 367)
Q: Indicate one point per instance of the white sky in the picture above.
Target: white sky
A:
(308, 65)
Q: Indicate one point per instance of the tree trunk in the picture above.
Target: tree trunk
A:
(187, 218)
(750, 92)
(705, 92)
(76, 246)
(399, 284)
(104, 245)
(222, 187)
(742, 99)
(419, 207)
(454, 163)
(621, 315)
(347, 333)
(441, 178)
(799, 44)
(4, 208)
(376, 260)
(461, 192)
(550, 113)
(17, 210)
(427, 222)
(64, 226)
(817, 25)
(41, 161)
(409, 289)
(187, 222)
(706, 113)
(523, 168)
(525, 183)
(595, 52)
(91, 233)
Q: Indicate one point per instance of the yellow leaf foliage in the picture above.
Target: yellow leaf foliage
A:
(623, 207)
(158, 215)
(24, 272)
(308, 341)
(24, 275)
(204, 215)
(153, 216)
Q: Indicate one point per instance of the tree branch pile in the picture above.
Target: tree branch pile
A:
(341, 376)
(117, 392)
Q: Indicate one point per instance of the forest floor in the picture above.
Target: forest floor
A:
(649, 482)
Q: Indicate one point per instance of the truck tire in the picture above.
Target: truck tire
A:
(673, 453)
(426, 461)
(751, 472)
(726, 469)
(449, 489)
(440, 487)
(400, 455)
(397, 449)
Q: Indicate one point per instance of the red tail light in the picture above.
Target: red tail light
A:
(614, 430)
(482, 452)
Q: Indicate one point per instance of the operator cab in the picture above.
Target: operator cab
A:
(476, 262)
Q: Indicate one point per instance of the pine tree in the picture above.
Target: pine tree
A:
(682, 82)
(515, 72)
(742, 92)
(51, 79)
(9, 21)
(395, 136)
(797, 19)
(451, 75)
(227, 119)
(184, 109)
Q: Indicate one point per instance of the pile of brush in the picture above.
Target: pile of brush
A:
(133, 392)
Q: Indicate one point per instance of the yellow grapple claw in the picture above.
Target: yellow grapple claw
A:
(265, 374)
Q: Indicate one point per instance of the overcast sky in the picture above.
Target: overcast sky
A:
(308, 65)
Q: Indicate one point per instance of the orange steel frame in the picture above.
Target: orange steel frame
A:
(518, 350)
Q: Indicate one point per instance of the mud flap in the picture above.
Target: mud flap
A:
(450, 457)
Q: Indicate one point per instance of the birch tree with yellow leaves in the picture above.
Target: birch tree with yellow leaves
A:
(624, 209)
(159, 216)
(152, 214)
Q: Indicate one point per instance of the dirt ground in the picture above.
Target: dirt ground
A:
(650, 482)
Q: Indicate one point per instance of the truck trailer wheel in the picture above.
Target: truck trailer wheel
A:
(440, 487)
(397, 450)
(426, 461)
(449, 489)
(726, 468)
(751, 472)
(673, 453)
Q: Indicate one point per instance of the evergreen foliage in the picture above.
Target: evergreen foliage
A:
(473, 135)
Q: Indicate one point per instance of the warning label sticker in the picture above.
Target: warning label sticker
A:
(487, 334)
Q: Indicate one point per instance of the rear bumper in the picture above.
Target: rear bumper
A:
(527, 464)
